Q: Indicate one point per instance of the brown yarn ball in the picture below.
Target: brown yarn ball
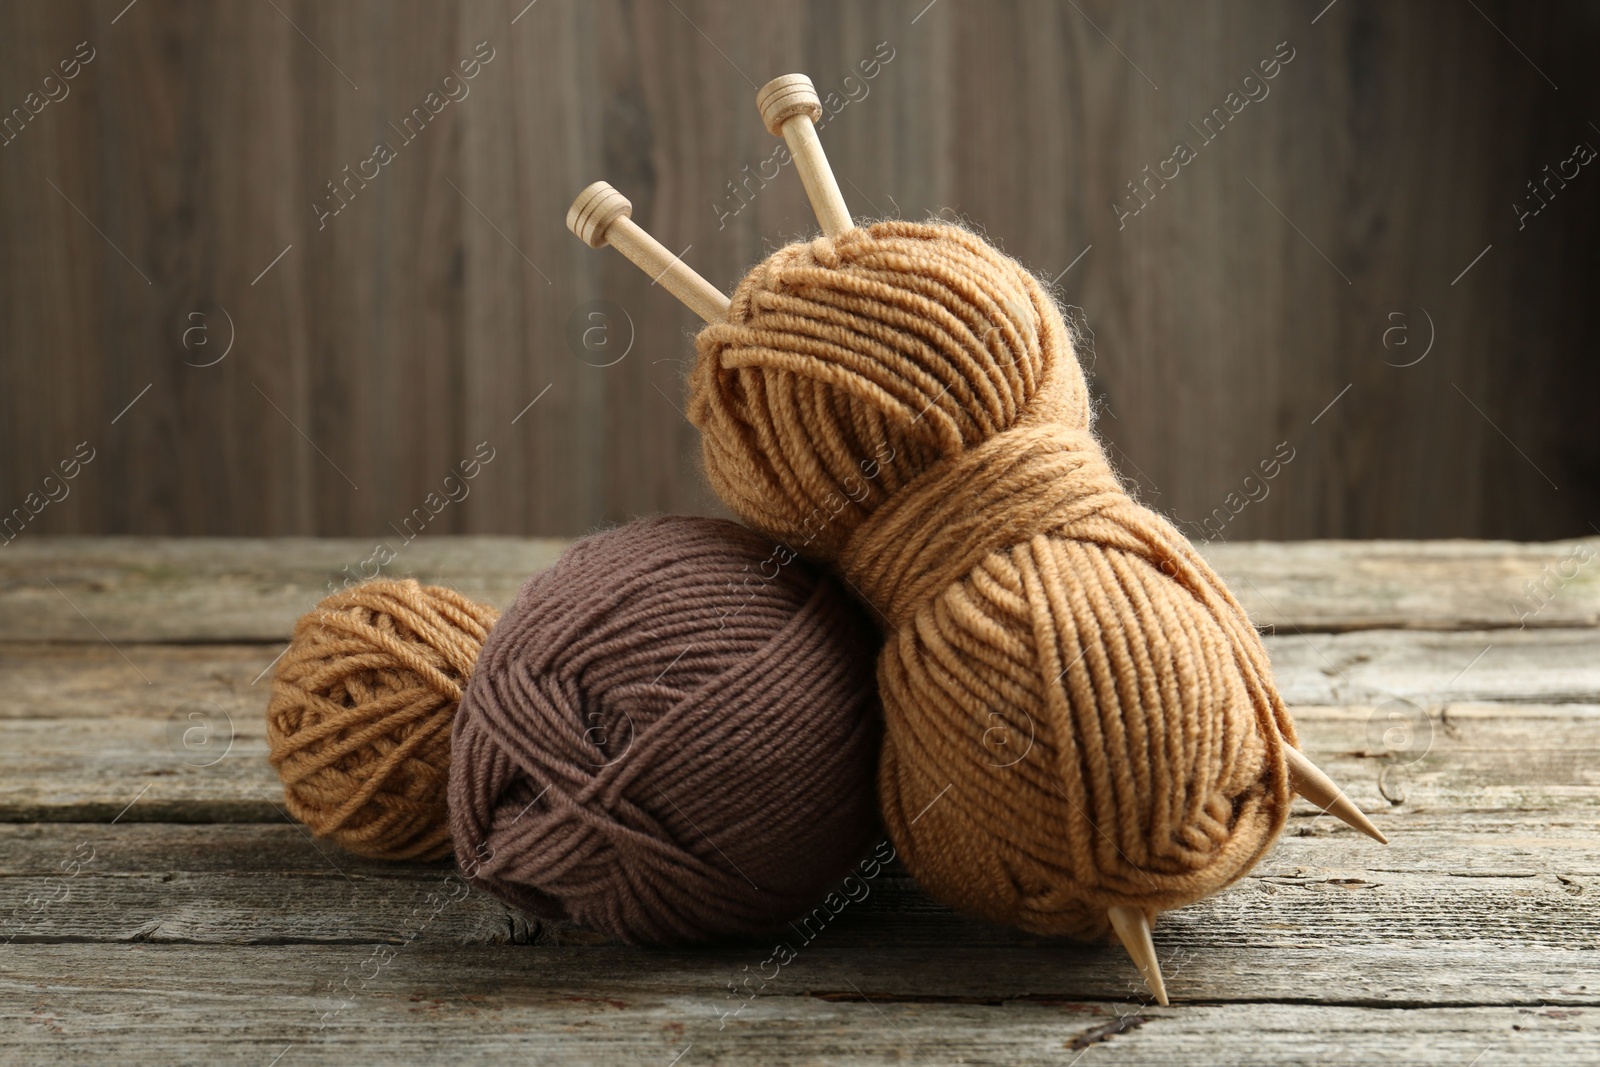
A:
(1078, 713)
(361, 709)
(671, 736)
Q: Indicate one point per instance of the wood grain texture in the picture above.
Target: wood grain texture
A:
(1438, 670)
(445, 296)
(206, 762)
(157, 906)
(230, 589)
(167, 1004)
(1456, 878)
(237, 589)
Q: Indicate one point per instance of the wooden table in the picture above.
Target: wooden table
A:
(158, 907)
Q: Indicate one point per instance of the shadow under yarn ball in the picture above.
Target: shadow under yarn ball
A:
(671, 736)
(1078, 714)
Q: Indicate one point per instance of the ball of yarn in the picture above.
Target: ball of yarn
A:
(671, 736)
(361, 709)
(1078, 714)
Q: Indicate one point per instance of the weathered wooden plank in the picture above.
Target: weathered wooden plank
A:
(1447, 841)
(138, 769)
(240, 909)
(147, 1003)
(1420, 585)
(216, 589)
(65, 681)
(220, 683)
(1467, 758)
(139, 589)
(1456, 878)
(1434, 668)
(203, 760)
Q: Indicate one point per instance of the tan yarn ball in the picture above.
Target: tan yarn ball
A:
(1078, 713)
(361, 711)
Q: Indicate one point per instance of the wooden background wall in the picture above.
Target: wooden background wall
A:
(370, 356)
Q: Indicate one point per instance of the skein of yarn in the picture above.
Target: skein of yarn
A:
(671, 736)
(362, 704)
(919, 389)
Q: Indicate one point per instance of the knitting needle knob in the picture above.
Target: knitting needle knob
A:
(602, 216)
(1307, 779)
(1132, 927)
(790, 107)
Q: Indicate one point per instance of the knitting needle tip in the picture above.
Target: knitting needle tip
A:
(1308, 780)
(1132, 927)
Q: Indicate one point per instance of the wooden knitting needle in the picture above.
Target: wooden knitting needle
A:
(602, 216)
(790, 106)
(1132, 927)
(1308, 780)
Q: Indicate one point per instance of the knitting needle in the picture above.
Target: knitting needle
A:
(602, 216)
(789, 106)
(1132, 927)
(1306, 779)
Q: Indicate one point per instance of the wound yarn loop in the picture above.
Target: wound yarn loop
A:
(671, 736)
(1078, 714)
(361, 709)
(977, 503)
